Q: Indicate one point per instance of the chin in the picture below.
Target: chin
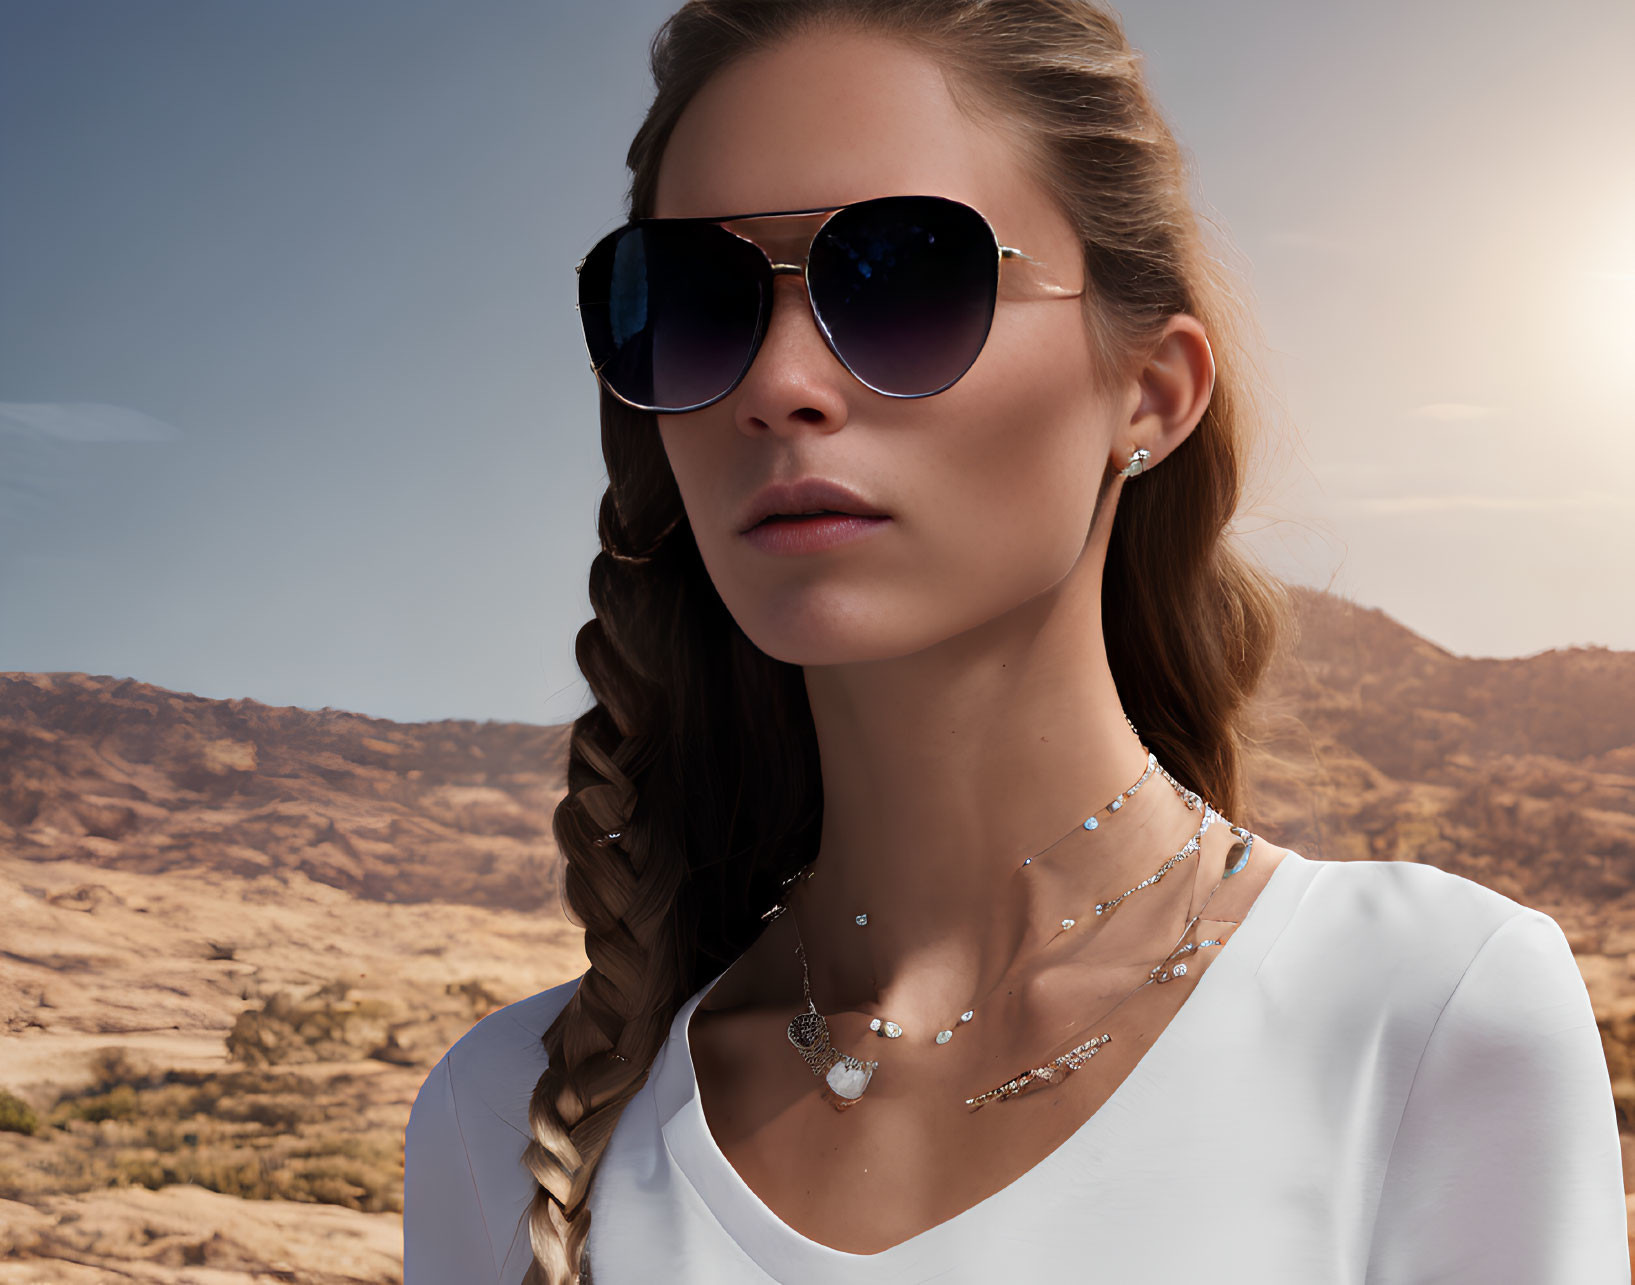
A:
(833, 634)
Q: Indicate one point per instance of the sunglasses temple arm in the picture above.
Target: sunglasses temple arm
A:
(1039, 274)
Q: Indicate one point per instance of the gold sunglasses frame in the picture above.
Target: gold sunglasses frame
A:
(787, 234)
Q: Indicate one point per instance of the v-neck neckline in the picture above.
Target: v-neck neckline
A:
(792, 1258)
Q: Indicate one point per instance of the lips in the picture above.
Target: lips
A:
(808, 496)
(812, 534)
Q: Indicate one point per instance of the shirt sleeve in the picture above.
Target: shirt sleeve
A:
(1506, 1166)
(445, 1237)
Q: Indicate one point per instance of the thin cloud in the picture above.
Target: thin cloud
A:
(84, 422)
(58, 458)
(1482, 503)
(1454, 412)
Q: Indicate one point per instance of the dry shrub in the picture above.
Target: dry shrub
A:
(253, 1133)
(16, 1116)
(327, 1026)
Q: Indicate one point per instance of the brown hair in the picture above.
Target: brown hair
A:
(693, 784)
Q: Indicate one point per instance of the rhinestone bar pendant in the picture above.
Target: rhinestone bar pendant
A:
(1050, 1073)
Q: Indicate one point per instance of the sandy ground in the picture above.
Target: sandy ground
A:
(94, 959)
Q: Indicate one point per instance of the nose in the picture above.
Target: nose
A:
(795, 378)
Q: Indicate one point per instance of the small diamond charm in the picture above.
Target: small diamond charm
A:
(944, 1036)
(967, 1015)
(1068, 923)
(893, 1030)
(1091, 823)
(874, 1025)
(1115, 805)
(1180, 970)
(862, 919)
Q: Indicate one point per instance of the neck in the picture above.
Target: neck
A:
(943, 772)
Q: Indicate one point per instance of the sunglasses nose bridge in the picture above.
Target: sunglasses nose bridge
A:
(785, 239)
(775, 335)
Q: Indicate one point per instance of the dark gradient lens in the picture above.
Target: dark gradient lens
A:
(671, 311)
(905, 286)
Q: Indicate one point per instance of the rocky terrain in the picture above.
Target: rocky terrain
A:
(234, 937)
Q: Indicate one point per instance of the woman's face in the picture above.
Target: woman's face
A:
(990, 485)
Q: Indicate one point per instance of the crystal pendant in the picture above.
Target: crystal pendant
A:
(844, 1082)
(848, 1080)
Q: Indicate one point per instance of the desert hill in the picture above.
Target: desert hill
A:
(130, 776)
(234, 937)
(1517, 773)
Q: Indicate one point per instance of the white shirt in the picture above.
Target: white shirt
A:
(1389, 1075)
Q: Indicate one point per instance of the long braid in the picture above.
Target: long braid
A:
(624, 888)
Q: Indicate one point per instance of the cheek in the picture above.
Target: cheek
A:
(677, 443)
(690, 447)
(699, 451)
(1019, 457)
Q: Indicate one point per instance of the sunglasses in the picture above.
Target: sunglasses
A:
(902, 288)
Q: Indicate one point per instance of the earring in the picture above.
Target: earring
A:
(1137, 464)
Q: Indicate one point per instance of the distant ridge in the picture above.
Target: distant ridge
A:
(1371, 742)
(1519, 773)
(127, 774)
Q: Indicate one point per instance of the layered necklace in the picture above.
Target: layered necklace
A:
(845, 1077)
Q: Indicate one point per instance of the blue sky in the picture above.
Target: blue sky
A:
(293, 405)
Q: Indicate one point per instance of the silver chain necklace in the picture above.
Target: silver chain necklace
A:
(1163, 971)
(846, 1077)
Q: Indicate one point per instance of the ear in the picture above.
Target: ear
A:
(1169, 392)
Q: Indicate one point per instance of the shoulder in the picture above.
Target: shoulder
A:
(1401, 903)
(1416, 940)
(1503, 1103)
(1498, 964)
(1405, 964)
(1395, 939)
(493, 1067)
(465, 1188)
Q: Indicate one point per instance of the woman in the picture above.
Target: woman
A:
(894, 832)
